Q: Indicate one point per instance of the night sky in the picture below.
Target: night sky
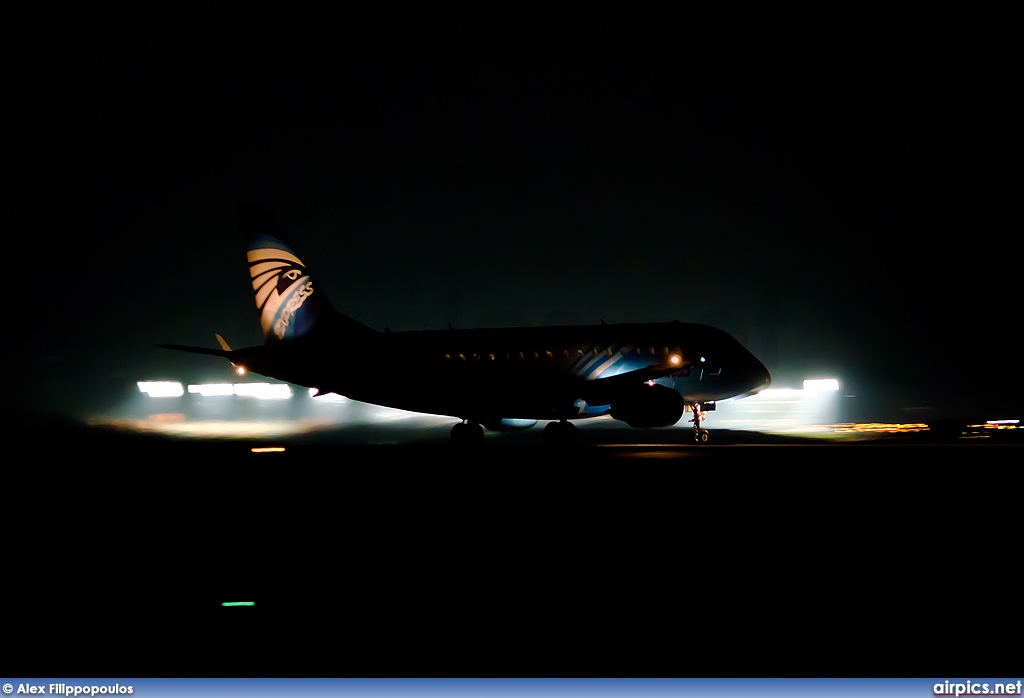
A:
(836, 189)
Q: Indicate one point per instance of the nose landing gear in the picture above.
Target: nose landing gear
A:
(700, 436)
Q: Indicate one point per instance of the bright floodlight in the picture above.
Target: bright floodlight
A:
(212, 389)
(263, 391)
(161, 388)
(240, 370)
(326, 397)
(821, 385)
(674, 359)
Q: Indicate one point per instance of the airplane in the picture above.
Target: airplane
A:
(645, 375)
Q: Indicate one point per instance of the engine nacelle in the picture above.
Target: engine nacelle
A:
(649, 406)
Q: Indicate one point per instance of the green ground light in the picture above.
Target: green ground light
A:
(238, 603)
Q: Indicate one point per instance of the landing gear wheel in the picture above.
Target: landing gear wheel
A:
(465, 433)
(560, 433)
(700, 436)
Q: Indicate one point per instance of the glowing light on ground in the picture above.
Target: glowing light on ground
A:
(375, 414)
(878, 427)
(161, 388)
(219, 429)
(267, 449)
(778, 392)
(821, 384)
(212, 389)
(327, 397)
(811, 410)
(264, 391)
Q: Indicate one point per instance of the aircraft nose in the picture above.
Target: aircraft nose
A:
(756, 375)
(762, 379)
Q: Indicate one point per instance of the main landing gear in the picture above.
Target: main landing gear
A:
(561, 433)
(700, 436)
(467, 433)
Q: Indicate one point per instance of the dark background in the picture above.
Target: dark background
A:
(830, 186)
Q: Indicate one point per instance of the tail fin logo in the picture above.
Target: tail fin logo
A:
(282, 285)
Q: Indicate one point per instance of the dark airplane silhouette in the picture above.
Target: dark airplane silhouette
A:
(646, 375)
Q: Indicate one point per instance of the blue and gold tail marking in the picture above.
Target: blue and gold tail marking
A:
(286, 297)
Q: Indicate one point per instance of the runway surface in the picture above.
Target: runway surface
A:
(782, 557)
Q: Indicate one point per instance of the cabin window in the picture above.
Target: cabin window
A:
(651, 351)
(506, 356)
(492, 356)
(565, 353)
(476, 356)
(462, 357)
(521, 355)
(624, 351)
(536, 355)
(638, 351)
(579, 352)
(666, 350)
(549, 354)
(447, 357)
(609, 351)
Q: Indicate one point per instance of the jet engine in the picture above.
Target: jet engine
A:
(648, 406)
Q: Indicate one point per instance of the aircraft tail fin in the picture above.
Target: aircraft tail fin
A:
(290, 302)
